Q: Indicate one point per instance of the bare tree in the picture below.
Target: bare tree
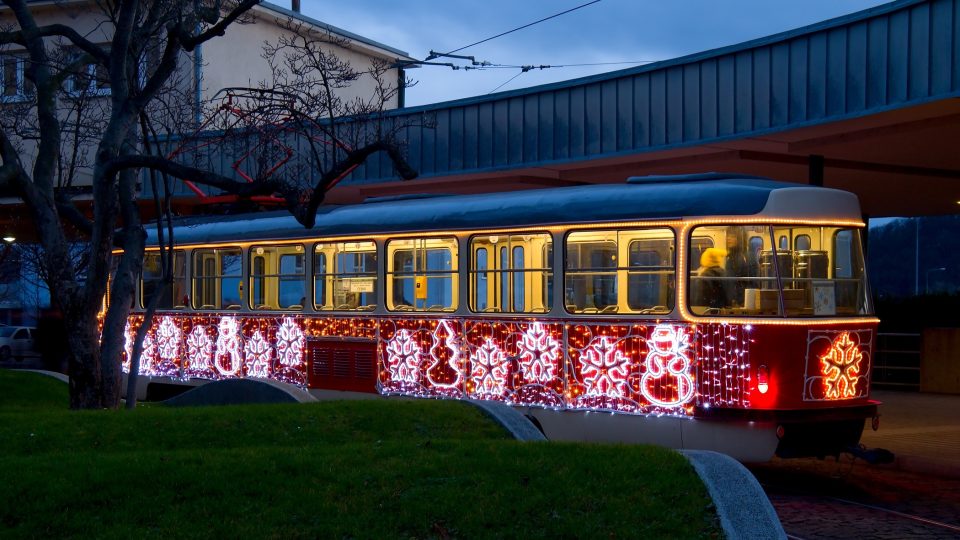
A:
(316, 119)
(65, 124)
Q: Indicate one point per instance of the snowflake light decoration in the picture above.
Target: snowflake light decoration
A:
(148, 356)
(199, 349)
(605, 369)
(168, 339)
(257, 356)
(667, 365)
(228, 347)
(403, 357)
(539, 355)
(289, 343)
(840, 367)
(488, 375)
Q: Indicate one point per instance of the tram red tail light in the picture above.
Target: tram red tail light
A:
(763, 379)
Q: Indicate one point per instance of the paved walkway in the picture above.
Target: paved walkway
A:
(923, 430)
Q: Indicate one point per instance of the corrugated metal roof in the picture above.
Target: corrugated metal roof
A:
(893, 56)
(896, 55)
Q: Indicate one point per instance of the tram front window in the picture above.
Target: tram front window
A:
(753, 271)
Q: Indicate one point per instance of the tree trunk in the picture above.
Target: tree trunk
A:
(86, 377)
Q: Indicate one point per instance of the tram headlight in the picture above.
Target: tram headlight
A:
(763, 379)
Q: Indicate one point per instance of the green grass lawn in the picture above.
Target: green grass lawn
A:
(355, 469)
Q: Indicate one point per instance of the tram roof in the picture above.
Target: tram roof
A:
(641, 198)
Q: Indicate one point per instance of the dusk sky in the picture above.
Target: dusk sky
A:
(607, 31)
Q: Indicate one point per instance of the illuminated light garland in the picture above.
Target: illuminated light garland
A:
(258, 355)
(403, 357)
(667, 361)
(605, 369)
(488, 377)
(445, 354)
(723, 374)
(541, 363)
(840, 367)
(229, 345)
(539, 354)
(678, 224)
(199, 352)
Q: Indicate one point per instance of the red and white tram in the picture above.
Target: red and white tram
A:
(709, 311)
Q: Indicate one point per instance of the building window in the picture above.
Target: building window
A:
(89, 80)
(16, 87)
(350, 282)
(511, 273)
(421, 274)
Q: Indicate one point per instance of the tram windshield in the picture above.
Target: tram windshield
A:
(777, 270)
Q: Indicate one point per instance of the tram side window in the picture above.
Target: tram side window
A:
(849, 274)
(175, 296)
(217, 278)
(651, 275)
(421, 274)
(627, 271)
(345, 276)
(277, 277)
(511, 273)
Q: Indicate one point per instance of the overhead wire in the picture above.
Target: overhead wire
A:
(475, 65)
(507, 82)
(431, 57)
(524, 69)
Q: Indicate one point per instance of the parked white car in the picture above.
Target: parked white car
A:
(16, 342)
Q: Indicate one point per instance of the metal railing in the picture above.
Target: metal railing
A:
(896, 361)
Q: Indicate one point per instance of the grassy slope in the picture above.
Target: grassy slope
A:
(376, 469)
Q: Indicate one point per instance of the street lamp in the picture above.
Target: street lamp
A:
(926, 287)
(9, 239)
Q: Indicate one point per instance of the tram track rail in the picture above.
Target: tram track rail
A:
(918, 519)
(784, 492)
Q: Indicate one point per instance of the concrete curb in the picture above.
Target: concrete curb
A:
(55, 374)
(241, 392)
(519, 426)
(743, 507)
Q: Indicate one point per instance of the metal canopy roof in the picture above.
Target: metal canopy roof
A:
(874, 93)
